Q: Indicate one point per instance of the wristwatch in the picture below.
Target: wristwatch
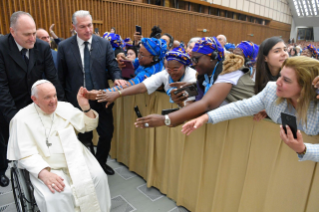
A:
(167, 121)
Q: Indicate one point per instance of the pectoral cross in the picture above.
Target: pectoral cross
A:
(48, 144)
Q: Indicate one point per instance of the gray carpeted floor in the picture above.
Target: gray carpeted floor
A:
(128, 192)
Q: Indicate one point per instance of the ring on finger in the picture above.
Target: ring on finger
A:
(146, 125)
(53, 184)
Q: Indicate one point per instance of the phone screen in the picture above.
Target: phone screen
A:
(291, 121)
(137, 111)
(138, 29)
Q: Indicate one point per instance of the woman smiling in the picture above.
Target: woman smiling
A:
(292, 93)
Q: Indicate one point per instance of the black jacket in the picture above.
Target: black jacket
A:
(16, 79)
(70, 68)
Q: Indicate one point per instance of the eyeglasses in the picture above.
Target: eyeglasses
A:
(141, 56)
(196, 59)
(171, 70)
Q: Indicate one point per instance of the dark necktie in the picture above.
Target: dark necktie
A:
(26, 59)
(88, 78)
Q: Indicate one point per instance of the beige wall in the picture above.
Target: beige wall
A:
(277, 10)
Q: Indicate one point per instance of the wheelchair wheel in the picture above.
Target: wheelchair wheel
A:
(17, 191)
(22, 190)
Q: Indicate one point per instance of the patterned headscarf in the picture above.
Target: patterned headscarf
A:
(249, 49)
(156, 47)
(128, 42)
(207, 45)
(179, 54)
(313, 50)
(115, 39)
(229, 46)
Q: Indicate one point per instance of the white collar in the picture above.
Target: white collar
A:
(19, 47)
(81, 42)
(40, 111)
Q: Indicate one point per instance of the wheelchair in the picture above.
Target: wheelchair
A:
(22, 189)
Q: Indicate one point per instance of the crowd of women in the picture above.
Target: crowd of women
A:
(251, 80)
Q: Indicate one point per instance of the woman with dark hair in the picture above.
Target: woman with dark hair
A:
(178, 70)
(131, 53)
(292, 52)
(221, 79)
(169, 40)
(293, 93)
(272, 54)
(156, 32)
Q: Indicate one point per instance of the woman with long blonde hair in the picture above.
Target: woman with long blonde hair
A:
(292, 93)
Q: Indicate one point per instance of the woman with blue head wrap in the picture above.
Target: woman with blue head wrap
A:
(149, 62)
(221, 79)
(115, 41)
(230, 47)
(249, 51)
(310, 51)
(178, 70)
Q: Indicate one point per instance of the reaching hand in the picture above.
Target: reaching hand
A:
(153, 120)
(51, 27)
(121, 82)
(260, 116)
(296, 144)
(108, 97)
(91, 95)
(53, 181)
(194, 124)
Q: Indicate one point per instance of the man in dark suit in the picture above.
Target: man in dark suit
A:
(23, 60)
(87, 60)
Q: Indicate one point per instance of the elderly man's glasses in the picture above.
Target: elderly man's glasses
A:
(196, 59)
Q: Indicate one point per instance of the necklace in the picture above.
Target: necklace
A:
(46, 137)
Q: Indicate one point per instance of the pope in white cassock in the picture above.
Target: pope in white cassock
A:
(65, 175)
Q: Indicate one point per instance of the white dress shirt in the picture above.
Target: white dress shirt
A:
(20, 48)
(81, 48)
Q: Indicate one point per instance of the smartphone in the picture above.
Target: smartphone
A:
(291, 121)
(138, 29)
(191, 90)
(96, 30)
(167, 111)
(137, 111)
(128, 70)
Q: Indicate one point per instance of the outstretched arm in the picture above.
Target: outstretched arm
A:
(213, 98)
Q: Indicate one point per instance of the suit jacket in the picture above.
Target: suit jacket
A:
(16, 79)
(70, 68)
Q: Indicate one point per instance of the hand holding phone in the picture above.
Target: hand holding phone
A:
(189, 90)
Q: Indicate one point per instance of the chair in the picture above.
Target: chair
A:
(22, 189)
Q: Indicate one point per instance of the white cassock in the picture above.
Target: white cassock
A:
(86, 186)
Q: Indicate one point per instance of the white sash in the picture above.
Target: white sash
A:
(79, 172)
